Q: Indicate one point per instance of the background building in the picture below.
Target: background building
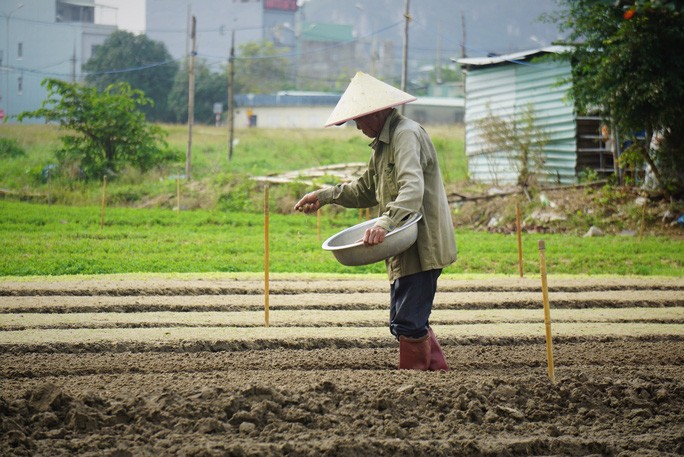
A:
(41, 39)
(252, 20)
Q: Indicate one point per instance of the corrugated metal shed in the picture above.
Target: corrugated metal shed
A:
(505, 86)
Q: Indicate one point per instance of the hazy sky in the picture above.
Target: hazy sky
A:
(129, 15)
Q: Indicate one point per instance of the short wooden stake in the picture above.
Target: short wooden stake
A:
(547, 312)
(266, 255)
(517, 223)
(178, 192)
(104, 200)
(643, 220)
(318, 223)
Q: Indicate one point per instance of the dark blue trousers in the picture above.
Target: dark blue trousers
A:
(411, 300)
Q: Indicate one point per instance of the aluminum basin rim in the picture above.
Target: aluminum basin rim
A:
(413, 219)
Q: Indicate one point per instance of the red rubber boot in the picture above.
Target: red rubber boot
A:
(414, 353)
(437, 360)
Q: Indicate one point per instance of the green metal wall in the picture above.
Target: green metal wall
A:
(507, 89)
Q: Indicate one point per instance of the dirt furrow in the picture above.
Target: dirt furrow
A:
(325, 301)
(127, 366)
(373, 284)
(318, 318)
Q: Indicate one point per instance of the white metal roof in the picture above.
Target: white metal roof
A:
(516, 56)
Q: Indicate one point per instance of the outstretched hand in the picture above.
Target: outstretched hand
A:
(309, 203)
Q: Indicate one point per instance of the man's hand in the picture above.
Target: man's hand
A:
(308, 204)
(374, 235)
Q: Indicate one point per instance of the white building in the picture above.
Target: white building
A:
(43, 39)
(168, 21)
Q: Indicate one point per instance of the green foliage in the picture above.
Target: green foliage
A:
(520, 138)
(260, 70)
(56, 240)
(10, 148)
(152, 69)
(108, 130)
(238, 195)
(625, 64)
(588, 175)
(210, 88)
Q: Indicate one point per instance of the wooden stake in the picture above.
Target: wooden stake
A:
(318, 223)
(517, 223)
(178, 191)
(104, 200)
(266, 255)
(643, 220)
(547, 312)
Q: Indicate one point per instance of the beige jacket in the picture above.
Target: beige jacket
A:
(402, 178)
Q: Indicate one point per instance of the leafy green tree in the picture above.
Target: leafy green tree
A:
(107, 129)
(148, 67)
(626, 63)
(210, 87)
(259, 69)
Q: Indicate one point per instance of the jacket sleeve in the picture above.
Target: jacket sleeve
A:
(359, 193)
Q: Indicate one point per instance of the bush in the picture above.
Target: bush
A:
(10, 148)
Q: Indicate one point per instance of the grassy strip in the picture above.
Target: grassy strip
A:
(216, 180)
(63, 240)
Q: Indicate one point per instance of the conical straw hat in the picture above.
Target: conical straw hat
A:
(366, 95)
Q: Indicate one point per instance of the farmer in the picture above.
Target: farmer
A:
(402, 178)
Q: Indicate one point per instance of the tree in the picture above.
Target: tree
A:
(108, 130)
(210, 88)
(626, 64)
(260, 70)
(142, 63)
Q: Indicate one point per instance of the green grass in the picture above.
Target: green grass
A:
(257, 152)
(63, 240)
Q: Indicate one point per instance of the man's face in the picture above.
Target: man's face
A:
(371, 124)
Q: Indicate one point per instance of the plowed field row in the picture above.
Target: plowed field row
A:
(126, 366)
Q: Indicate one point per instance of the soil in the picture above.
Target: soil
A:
(126, 366)
(569, 209)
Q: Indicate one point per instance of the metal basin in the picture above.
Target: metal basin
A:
(349, 250)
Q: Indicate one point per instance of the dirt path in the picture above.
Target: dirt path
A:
(123, 366)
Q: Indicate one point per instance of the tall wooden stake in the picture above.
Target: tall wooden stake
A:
(517, 223)
(104, 201)
(191, 98)
(266, 255)
(547, 311)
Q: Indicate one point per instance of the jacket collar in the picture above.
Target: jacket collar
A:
(386, 131)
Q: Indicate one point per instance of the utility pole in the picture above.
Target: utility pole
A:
(438, 63)
(73, 65)
(463, 38)
(191, 98)
(404, 69)
(231, 104)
